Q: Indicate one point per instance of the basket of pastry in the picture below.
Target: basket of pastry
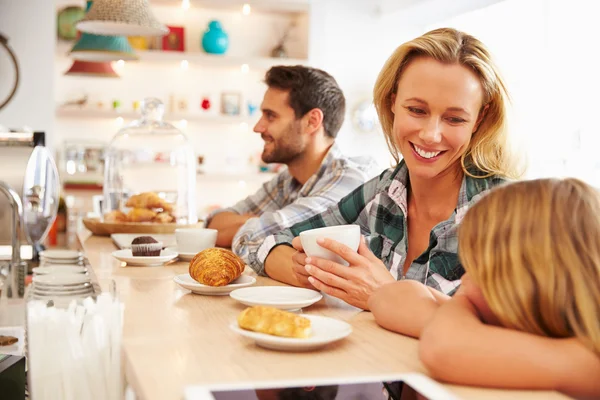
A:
(145, 213)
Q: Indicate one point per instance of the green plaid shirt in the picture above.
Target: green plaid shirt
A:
(380, 208)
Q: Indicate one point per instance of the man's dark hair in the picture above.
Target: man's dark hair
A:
(310, 88)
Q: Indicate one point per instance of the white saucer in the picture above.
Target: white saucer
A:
(184, 256)
(324, 331)
(61, 279)
(186, 281)
(282, 297)
(59, 269)
(126, 256)
(60, 254)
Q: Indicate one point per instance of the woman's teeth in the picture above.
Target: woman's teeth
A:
(425, 154)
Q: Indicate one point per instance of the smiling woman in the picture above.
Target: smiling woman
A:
(441, 103)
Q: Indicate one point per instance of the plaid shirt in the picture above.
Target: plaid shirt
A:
(283, 201)
(380, 207)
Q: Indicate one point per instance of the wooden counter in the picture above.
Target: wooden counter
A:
(173, 338)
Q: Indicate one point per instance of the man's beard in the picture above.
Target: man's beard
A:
(286, 149)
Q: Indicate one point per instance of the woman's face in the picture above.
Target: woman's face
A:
(436, 110)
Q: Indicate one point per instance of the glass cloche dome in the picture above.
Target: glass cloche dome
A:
(150, 172)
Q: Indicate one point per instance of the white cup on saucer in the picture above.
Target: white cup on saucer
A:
(194, 240)
(345, 234)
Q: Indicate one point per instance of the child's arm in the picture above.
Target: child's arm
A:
(405, 306)
(457, 347)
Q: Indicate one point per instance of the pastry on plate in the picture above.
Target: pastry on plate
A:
(273, 321)
(216, 267)
(149, 200)
(140, 215)
(115, 216)
(145, 246)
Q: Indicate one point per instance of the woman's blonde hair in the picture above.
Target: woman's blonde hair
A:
(533, 248)
(488, 150)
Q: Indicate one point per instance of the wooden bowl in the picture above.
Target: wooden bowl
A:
(100, 228)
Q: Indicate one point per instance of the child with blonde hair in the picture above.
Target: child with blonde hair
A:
(527, 315)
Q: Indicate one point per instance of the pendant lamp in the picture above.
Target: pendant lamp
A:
(122, 17)
(102, 48)
(92, 69)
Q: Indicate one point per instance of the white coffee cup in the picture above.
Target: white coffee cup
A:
(194, 240)
(345, 234)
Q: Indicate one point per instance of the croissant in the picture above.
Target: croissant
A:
(140, 215)
(115, 216)
(148, 200)
(163, 218)
(273, 321)
(216, 267)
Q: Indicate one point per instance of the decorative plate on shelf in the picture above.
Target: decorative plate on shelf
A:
(100, 228)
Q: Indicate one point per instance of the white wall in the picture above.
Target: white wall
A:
(30, 27)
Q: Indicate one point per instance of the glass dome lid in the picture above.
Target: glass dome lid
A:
(150, 172)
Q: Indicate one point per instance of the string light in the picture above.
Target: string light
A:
(185, 4)
(245, 68)
(246, 9)
(184, 64)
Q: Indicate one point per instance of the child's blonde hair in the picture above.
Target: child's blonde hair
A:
(489, 150)
(533, 248)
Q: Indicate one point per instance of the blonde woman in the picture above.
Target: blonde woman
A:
(442, 106)
(528, 312)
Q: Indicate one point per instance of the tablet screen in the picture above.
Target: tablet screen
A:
(406, 387)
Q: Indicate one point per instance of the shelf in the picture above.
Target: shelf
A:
(210, 60)
(278, 6)
(130, 115)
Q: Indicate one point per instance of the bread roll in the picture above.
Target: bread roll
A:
(273, 321)
(216, 267)
(149, 200)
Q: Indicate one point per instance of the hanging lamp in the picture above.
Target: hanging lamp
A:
(92, 69)
(101, 48)
(122, 17)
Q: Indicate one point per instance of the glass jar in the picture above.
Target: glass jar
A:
(150, 172)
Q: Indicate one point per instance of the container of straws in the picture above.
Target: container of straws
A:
(74, 353)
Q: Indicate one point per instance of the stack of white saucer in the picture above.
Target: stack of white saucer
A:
(61, 286)
(60, 256)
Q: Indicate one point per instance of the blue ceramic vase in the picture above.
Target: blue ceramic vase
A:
(215, 39)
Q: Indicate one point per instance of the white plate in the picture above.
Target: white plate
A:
(126, 256)
(123, 240)
(182, 255)
(324, 331)
(59, 269)
(60, 254)
(61, 279)
(282, 297)
(186, 281)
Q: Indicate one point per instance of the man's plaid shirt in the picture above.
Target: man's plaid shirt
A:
(283, 201)
(380, 208)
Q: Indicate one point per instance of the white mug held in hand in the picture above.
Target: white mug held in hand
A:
(348, 235)
(194, 240)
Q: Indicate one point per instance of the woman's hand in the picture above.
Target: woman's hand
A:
(354, 283)
(298, 264)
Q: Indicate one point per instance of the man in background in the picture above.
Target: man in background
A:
(302, 112)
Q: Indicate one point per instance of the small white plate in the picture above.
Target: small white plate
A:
(282, 297)
(61, 279)
(60, 254)
(187, 282)
(324, 331)
(59, 269)
(126, 256)
(182, 255)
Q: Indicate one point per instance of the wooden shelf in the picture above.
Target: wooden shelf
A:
(210, 60)
(131, 115)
